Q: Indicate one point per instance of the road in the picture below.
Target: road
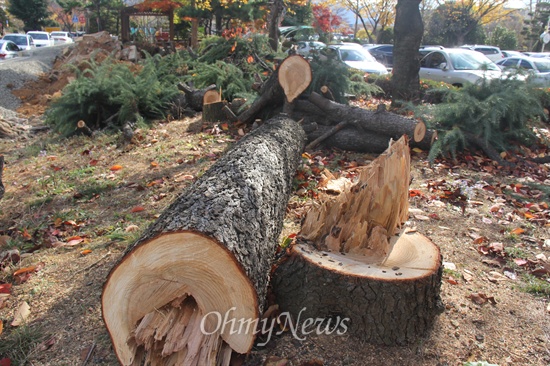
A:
(14, 73)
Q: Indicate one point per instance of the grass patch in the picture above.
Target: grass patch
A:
(536, 286)
(20, 344)
(514, 252)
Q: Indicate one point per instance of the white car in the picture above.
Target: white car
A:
(8, 49)
(41, 39)
(357, 58)
(537, 68)
(457, 66)
(304, 48)
(491, 52)
(23, 41)
(61, 37)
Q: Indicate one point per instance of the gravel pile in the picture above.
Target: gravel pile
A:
(14, 73)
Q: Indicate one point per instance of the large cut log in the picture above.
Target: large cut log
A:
(349, 138)
(351, 265)
(209, 253)
(380, 122)
(271, 95)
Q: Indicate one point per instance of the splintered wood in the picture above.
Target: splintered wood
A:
(363, 218)
(173, 335)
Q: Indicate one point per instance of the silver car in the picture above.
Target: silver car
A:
(23, 41)
(357, 57)
(457, 66)
(8, 49)
(537, 68)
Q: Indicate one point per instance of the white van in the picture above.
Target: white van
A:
(41, 39)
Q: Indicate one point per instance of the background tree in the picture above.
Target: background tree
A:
(325, 21)
(460, 22)
(63, 12)
(3, 18)
(504, 38)
(535, 26)
(453, 25)
(33, 13)
(408, 31)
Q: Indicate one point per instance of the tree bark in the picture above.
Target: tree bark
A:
(350, 139)
(271, 95)
(210, 250)
(408, 31)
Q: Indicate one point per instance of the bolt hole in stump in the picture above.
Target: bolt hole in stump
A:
(350, 261)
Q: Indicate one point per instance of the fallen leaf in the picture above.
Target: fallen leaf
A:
(467, 277)
(496, 277)
(114, 168)
(452, 280)
(481, 239)
(480, 298)
(74, 241)
(240, 131)
(520, 262)
(5, 362)
(422, 217)
(1, 327)
(137, 209)
(93, 162)
(517, 231)
(21, 314)
(154, 164)
(5, 288)
(548, 308)
(224, 126)
(47, 344)
(85, 252)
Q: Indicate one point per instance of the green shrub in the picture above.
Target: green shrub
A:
(496, 112)
(108, 94)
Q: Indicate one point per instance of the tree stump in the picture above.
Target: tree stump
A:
(349, 262)
(209, 253)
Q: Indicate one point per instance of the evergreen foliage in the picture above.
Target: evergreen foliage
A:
(33, 13)
(226, 76)
(108, 94)
(498, 112)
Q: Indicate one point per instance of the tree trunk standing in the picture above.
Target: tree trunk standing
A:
(408, 32)
(276, 14)
(210, 251)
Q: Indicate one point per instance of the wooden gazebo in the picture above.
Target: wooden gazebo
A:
(141, 10)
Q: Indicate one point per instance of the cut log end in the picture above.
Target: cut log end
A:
(419, 131)
(177, 297)
(294, 76)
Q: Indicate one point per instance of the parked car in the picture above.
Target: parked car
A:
(61, 37)
(357, 58)
(507, 53)
(537, 68)
(41, 39)
(493, 53)
(383, 53)
(8, 49)
(457, 66)
(23, 41)
(304, 48)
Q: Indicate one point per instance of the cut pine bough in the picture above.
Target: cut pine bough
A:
(209, 253)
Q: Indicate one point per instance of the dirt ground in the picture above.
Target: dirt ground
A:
(72, 206)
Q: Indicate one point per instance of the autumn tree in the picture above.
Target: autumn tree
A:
(504, 38)
(461, 19)
(33, 13)
(324, 20)
(408, 31)
(63, 12)
(375, 16)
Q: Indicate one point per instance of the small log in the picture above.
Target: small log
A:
(325, 90)
(194, 96)
(354, 269)
(83, 128)
(380, 122)
(210, 252)
(271, 96)
(351, 139)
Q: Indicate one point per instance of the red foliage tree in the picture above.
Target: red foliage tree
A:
(324, 19)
